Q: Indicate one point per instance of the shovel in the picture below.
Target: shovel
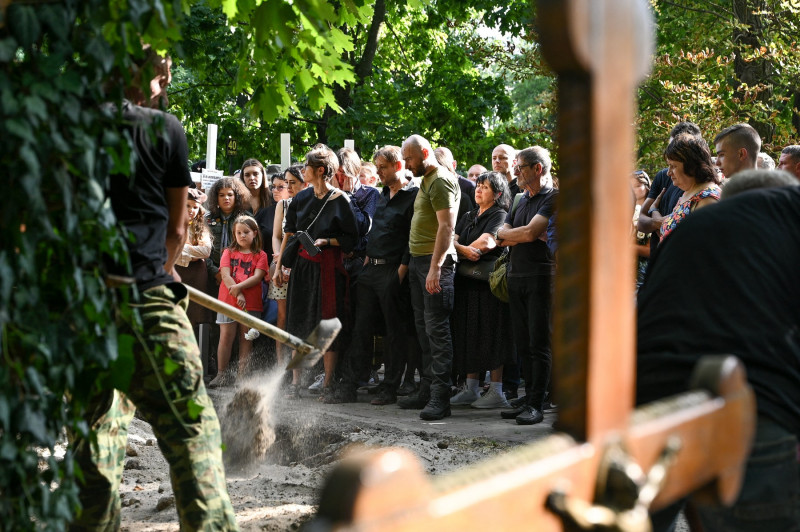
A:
(308, 352)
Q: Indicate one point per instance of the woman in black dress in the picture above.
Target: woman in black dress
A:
(318, 284)
(480, 322)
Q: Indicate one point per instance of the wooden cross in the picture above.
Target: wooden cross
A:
(611, 463)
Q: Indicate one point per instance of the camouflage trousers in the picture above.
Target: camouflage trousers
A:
(167, 388)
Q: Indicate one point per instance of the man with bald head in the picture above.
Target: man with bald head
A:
(502, 161)
(474, 171)
(737, 149)
(431, 273)
(790, 160)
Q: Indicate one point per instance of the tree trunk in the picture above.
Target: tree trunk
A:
(362, 69)
(759, 70)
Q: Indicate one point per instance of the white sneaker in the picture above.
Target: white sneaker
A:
(464, 397)
(316, 386)
(491, 399)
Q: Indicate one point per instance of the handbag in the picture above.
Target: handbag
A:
(475, 269)
(289, 255)
(498, 278)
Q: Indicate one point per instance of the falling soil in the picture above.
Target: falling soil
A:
(278, 453)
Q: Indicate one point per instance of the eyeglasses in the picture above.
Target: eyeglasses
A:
(278, 187)
(521, 166)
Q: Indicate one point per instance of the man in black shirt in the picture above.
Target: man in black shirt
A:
(530, 278)
(167, 381)
(727, 282)
(383, 288)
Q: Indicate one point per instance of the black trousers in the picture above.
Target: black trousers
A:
(432, 318)
(383, 302)
(531, 301)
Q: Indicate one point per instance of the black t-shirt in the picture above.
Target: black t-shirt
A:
(668, 201)
(532, 258)
(727, 281)
(388, 238)
(139, 201)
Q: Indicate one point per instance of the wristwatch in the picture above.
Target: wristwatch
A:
(494, 235)
(651, 211)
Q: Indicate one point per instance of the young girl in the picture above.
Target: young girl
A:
(191, 264)
(242, 267)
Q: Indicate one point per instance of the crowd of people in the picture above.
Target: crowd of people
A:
(408, 262)
(401, 247)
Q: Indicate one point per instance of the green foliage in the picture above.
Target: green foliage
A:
(717, 65)
(58, 337)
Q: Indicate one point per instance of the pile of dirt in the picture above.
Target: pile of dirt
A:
(277, 464)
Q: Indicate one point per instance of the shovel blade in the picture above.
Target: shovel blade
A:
(320, 339)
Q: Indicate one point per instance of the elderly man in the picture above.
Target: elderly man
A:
(383, 294)
(474, 171)
(790, 160)
(502, 156)
(431, 272)
(737, 149)
(530, 279)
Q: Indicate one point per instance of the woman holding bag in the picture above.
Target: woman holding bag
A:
(480, 322)
(318, 288)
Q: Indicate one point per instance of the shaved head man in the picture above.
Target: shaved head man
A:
(503, 161)
(737, 149)
(474, 171)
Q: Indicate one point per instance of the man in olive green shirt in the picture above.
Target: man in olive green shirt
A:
(431, 273)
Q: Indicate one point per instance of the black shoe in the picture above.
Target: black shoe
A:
(518, 402)
(385, 397)
(437, 408)
(415, 401)
(512, 414)
(530, 416)
(548, 404)
(407, 388)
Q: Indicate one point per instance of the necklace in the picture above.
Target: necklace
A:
(322, 195)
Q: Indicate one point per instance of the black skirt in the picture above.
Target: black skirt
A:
(481, 328)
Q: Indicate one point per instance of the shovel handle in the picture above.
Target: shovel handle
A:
(261, 326)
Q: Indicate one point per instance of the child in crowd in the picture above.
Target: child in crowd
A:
(242, 267)
(228, 198)
(191, 263)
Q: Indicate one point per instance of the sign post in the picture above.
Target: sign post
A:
(286, 151)
(211, 147)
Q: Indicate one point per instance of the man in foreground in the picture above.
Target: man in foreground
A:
(167, 382)
(745, 302)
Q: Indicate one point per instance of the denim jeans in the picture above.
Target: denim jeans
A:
(531, 301)
(770, 497)
(432, 320)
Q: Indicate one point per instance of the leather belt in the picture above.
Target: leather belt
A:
(377, 262)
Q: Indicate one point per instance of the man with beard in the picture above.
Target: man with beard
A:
(431, 272)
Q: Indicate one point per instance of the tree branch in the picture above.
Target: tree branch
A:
(698, 10)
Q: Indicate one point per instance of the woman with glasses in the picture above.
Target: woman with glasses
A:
(480, 323)
(285, 187)
(318, 285)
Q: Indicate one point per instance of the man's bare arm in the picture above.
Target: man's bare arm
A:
(176, 226)
(527, 233)
(444, 235)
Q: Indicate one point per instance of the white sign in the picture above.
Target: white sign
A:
(210, 177)
(211, 147)
(286, 151)
(350, 143)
